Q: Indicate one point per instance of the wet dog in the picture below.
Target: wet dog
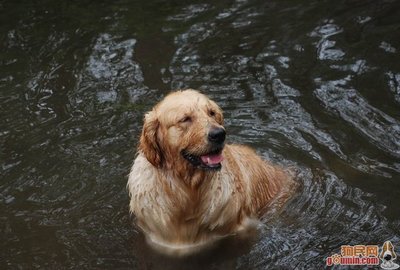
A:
(187, 187)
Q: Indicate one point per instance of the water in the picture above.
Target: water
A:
(314, 85)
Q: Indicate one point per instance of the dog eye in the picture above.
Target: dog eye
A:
(211, 113)
(185, 119)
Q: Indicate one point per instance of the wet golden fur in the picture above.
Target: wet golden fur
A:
(178, 205)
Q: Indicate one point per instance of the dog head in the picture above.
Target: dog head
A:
(387, 253)
(185, 127)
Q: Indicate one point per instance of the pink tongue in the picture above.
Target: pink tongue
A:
(212, 159)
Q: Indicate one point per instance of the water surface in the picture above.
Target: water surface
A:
(314, 85)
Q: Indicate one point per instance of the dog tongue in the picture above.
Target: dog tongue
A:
(212, 159)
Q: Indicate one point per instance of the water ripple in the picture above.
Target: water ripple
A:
(351, 107)
(311, 86)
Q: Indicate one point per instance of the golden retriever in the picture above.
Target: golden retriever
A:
(187, 187)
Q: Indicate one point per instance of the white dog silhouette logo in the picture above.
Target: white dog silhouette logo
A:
(388, 256)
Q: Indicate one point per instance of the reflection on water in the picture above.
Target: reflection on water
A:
(311, 85)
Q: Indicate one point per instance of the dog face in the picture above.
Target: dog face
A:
(388, 253)
(186, 127)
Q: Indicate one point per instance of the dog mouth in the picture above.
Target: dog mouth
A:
(209, 161)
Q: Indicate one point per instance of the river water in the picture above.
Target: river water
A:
(310, 84)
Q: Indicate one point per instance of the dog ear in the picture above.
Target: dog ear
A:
(394, 256)
(219, 116)
(148, 140)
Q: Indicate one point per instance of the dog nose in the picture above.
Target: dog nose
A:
(217, 135)
(387, 257)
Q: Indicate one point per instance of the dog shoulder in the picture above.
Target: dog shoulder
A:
(239, 148)
(142, 176)
(245, 156)
(263, 179)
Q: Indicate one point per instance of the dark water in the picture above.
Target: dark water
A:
(310, 84)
